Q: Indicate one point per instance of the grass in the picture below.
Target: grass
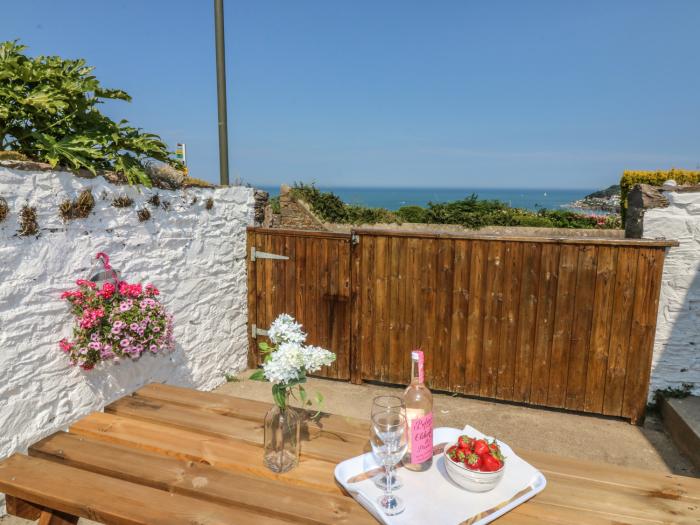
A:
(79, 208)
(28, 224)
(4, 209)
(122, 201)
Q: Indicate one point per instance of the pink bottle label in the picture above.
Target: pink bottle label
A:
(422, 439)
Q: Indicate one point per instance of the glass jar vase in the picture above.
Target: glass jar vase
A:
(282, 438)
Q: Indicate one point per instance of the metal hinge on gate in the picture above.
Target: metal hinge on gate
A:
(354, 239)
(255, 254)
(255, 331)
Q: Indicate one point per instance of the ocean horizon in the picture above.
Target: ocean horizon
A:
(394, 198)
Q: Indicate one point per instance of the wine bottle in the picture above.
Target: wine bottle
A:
(419, 417)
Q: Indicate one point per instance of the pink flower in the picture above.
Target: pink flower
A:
(153, 348)
(107, 291)
(65, 345)
(124, 343)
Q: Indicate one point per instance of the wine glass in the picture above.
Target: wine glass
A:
(388, 439)
(382, 404)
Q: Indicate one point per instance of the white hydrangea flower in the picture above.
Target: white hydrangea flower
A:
(315, 357)
(285, 329)
(285, 363)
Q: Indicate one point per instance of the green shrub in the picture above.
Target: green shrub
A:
(411, 213)
(655, 178)
(49, 111)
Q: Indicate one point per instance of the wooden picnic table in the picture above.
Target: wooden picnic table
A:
(170, 455)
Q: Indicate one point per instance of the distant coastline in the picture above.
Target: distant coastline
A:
(394, 198)
(607, 200)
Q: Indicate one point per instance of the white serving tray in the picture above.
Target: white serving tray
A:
(432, 497)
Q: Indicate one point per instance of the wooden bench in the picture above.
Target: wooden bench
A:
(169, 455)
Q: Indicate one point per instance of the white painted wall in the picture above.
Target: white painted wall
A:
(677, 344)
(194, 256)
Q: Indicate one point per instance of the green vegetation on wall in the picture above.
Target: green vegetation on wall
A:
(49, 112)
(655, 178)
(470, 212)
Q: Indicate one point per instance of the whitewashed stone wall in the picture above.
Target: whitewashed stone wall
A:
(196, 257)
(677, 344)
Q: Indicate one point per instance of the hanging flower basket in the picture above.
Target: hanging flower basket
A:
(115, 320)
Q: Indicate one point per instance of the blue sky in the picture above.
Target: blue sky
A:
(559, 93)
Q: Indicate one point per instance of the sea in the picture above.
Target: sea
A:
(394, 198)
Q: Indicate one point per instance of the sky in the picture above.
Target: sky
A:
(462, 94)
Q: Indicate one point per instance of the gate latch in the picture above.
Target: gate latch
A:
(255, 331)
(255, 255)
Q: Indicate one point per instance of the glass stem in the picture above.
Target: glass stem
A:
(388, 484)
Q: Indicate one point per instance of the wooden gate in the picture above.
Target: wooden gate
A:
(307, 275)
(565, 323)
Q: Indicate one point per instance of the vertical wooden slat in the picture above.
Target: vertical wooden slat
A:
(381, 289)
(393, 373)
(356, 310)
(600, 329)
(581, 333)
(459, 307)
(413, 311)
(428, 304)
(300, 277)
(443, 317)
(252, 296)
(526, 321)
(326, 305)
(510, 311)
(561, 337)
(621, 323)
(343, 307)
(403, 343)
(544, 325)
(493, 300)
(261, 291)
(368, 305)
(475, 316)
(648, 284)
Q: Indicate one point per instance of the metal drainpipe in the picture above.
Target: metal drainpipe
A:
(221, 90)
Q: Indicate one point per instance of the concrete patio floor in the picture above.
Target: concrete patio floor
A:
(572, 435)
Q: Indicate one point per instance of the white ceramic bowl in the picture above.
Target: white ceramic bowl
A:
(472, 480)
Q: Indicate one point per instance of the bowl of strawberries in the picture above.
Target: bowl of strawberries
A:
(474, 464)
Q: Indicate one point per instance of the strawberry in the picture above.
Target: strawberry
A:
(465, 442)
(460, 455)
(490, 463)
(473, 462)
(481, 447)
(496, 451)
(451, 452)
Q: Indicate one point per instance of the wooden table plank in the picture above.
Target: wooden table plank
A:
(337, 425)
(611, 477)
(326, 445)
(201, 481)
(109, 500)
(224, 453)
